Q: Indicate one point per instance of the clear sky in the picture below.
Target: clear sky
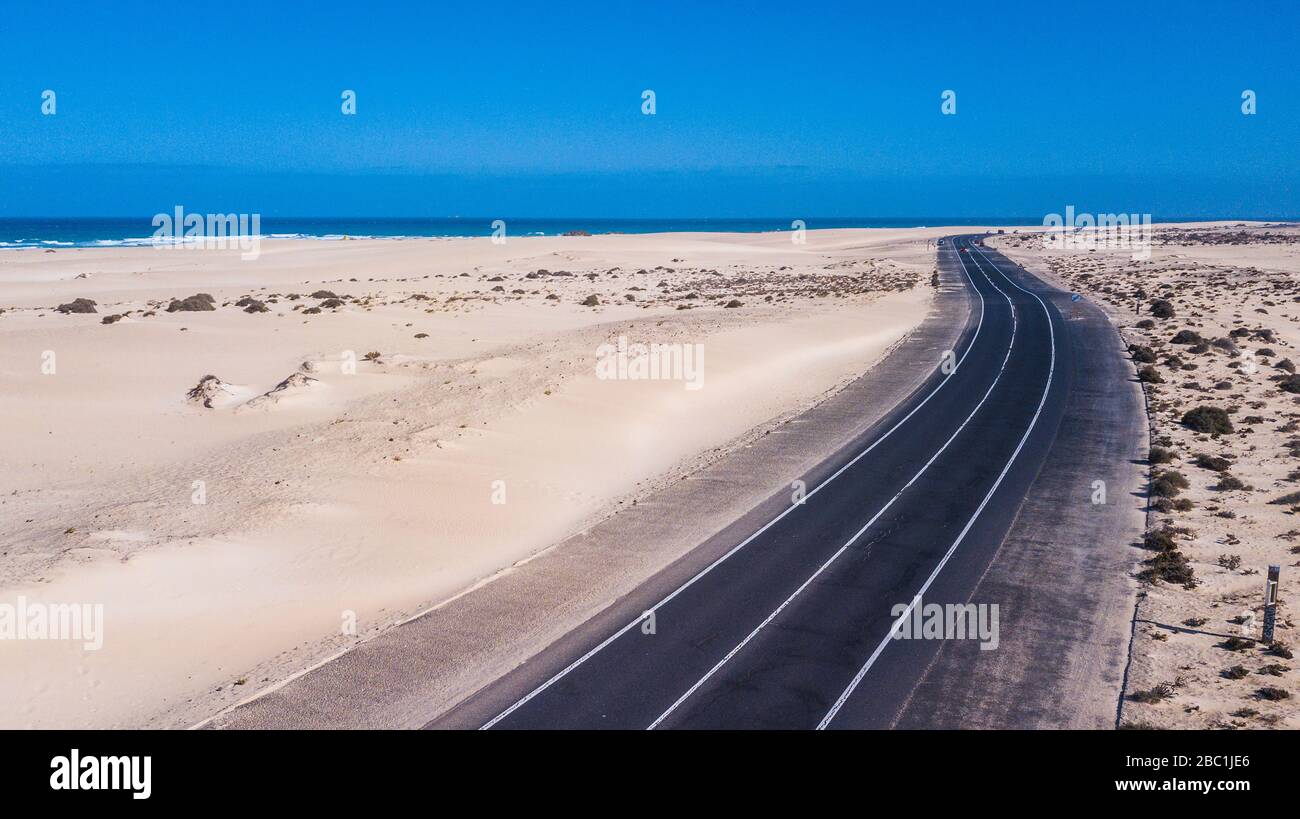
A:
(762, 109)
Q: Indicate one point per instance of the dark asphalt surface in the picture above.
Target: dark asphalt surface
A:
(791, 629)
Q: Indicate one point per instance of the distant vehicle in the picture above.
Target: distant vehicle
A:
(965, 250)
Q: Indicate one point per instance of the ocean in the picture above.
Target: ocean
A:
(131, 230)
(24, 232)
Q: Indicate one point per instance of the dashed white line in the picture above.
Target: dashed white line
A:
(739, 646)
(594, 651)
(857, 679)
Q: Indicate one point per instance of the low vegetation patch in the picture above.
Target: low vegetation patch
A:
(1212, 420)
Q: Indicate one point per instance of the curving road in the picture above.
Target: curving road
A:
(791, 628)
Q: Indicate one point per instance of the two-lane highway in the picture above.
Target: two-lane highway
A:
(792, 627)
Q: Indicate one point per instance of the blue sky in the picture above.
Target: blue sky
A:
(762, 109)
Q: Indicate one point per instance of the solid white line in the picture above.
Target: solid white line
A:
(571, 666)
(839, 703)
(736, 650)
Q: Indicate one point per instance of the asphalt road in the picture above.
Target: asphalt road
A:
(793, 627)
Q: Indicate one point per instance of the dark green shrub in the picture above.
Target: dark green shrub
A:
(1213, 462)
(1213, 420)
(1162, 308)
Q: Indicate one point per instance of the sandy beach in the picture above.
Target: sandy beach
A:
(386, 424)
(1211, 318)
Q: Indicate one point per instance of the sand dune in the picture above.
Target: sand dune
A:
(347, 432)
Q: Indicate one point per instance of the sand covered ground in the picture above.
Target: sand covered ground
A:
(387, 423)
(1212, 318)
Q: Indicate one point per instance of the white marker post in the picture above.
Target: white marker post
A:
(1270, 602)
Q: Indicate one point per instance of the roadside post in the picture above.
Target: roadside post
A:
(1270, 602)
(1074, 304)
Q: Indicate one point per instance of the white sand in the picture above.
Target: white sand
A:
(372, 492)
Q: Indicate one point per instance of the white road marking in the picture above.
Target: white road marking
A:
(839, 703)
(739, 646)
(571, 666)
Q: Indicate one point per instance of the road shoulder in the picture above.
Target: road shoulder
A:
(1063, 576)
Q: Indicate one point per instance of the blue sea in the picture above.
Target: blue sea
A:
(110, 231)
(131, 230)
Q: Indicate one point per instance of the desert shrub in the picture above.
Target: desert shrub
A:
(1186, 337)
(1149, 375)
(1170, 566)
(78, 306)
(1213, 420)
(1273, 694)
(1274, 669)
(1145, 324)
(1141, 354)
(1237, 644)
(1213, 462)
(1160, 455)
(1155, 694)
(1168, 483)
(1229, 483)
(1162, 308)
(1285, 364)
(196, 303)
(1236, 672)
(1289, 499)
(1280, 649)
(1158, 540)
(1230, 562)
